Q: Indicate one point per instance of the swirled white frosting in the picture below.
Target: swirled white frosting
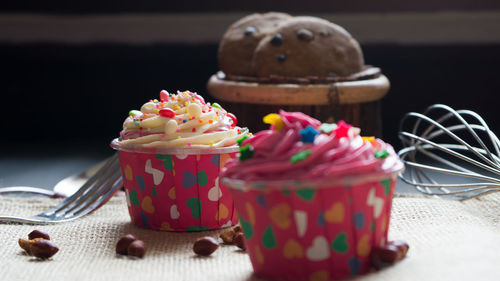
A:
(180, 120)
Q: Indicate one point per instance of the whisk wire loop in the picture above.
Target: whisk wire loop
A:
(426, 156)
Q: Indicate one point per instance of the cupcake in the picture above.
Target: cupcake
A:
(313, 198)
(171, 153)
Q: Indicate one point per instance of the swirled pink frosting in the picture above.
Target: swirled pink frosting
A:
(299, 147)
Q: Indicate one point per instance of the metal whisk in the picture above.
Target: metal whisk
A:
(442, 142)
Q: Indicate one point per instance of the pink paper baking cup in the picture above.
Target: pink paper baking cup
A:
(177, 189)
(313, 230)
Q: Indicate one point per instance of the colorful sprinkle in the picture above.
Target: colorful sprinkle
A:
(135, 113)
(342, 129)
(233, 118)
(370, 139)
(246, 152)
(301, 156)
(164, 95)
(194, 110)
(275, 121)
(241, 140)
(167, 112)
(327, 128)
(308, 134)
(381, 153)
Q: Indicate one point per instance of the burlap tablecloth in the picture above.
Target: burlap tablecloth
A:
(449, 240)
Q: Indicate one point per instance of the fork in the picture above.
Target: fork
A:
(96, 191)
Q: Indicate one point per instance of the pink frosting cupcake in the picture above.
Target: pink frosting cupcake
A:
(313, 199)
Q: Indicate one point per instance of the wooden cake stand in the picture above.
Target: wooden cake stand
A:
(354, 101)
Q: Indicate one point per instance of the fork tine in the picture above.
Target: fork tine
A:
(100, 190)
(85, 189)
(92, 195)
(115, 185)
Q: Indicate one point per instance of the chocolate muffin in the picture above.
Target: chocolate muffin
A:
(307, 46)
(238, 44)
(260, 47)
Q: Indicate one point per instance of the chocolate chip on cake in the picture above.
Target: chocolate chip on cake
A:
(282, 58)
(250, 30)
(338, 52)
(305, 35)
(238, 44)
(277, 40)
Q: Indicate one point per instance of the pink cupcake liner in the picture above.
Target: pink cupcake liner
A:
(177, 192)
(307, 232)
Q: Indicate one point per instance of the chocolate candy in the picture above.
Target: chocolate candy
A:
(305, 35)
(277, 40)
(250, 31)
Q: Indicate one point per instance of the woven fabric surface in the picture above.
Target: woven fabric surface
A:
(449, 240)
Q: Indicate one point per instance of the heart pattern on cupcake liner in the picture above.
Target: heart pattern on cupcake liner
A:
(177, 192)
(312, 233)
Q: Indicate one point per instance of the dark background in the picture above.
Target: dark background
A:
(59, 95)
(291, 6)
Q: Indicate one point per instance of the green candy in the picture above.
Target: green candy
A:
(241, 140)
(216, 105)
(246, 152)
(300, 156)
(135, 113)
(268, 238)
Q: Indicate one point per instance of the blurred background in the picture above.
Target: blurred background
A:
(71, 71)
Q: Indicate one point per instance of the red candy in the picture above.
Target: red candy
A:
(167, 112)
(163, 95)
(342, 129)
(235, 121)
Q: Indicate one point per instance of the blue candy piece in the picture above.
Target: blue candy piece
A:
(308, 134)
